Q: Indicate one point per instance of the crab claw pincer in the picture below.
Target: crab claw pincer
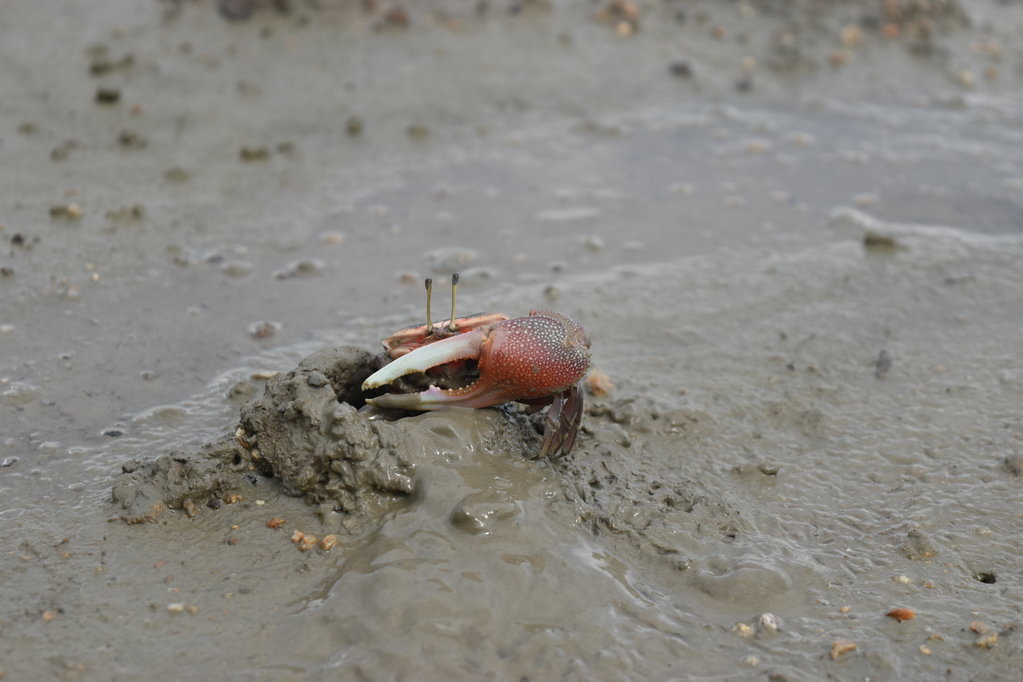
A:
(536, 360)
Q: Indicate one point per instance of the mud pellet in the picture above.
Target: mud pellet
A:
(108, 96)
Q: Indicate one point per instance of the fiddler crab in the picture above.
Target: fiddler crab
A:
(488, 359)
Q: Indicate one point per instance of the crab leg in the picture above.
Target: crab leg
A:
(561, 423)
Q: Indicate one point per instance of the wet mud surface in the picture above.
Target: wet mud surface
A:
(793, 232)
(741, 511)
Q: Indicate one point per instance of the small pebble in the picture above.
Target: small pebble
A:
(567, 215)
(418, 132)
(680, 69)
(987, 641)
(980, 627)
(61, 153)
(176, 175)
(744, 630)
(332, 238)
(758, 146)
(597, 383)
(769, 622)
(879, 243)
(802, 139)
(70, 211)
(176, 607)
(264, 329)
(108, 96)
(236, 268)
(841, 646)
(354, 126)
(250, 154)
(131, 140)
(902, 614)
(127, 213)
(851, 35)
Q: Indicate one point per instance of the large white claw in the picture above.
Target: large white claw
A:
(458, 347)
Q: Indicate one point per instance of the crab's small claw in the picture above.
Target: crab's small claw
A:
(528, 359)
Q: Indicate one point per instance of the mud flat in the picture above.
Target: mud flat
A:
(792, 231)
(712, 515)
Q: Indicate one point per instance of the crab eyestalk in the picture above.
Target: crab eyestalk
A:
(429, 318)
(454, 290)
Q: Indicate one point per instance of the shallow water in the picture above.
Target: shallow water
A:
(802, 425)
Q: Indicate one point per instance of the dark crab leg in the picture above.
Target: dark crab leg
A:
(561, 423)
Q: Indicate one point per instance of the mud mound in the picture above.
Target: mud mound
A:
(306, 434)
